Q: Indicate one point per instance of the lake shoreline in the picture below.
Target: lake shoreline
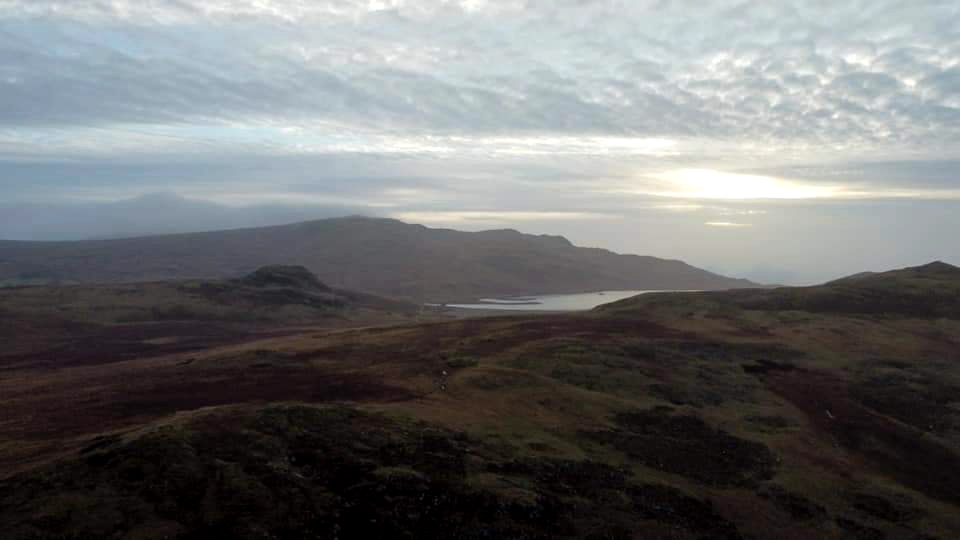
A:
(551, 303)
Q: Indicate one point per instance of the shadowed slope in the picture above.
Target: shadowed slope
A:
(381, 256)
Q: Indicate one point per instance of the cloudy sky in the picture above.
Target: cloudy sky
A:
(784, 141)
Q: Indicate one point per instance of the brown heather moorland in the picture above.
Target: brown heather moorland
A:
(822, 412)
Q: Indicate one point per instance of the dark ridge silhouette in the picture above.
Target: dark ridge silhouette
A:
(381, 256)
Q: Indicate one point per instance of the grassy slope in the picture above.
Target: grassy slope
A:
(676, 416)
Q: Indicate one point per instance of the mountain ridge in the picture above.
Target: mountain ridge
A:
(378, 255)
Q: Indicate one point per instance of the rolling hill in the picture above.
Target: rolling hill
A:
(76, 324)
(729, 414)
(381, 256)
(930, 291)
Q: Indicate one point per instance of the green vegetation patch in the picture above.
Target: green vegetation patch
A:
(699, 374)
(688, 446)
(797, 506)
(502, 380)
(461, 362)
(924, 402)
(771, 422)
(325, 472)
(898, 508)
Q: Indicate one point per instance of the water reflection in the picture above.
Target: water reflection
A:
(551, 302)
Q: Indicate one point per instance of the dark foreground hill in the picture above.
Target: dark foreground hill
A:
(677, 415)
(381, 256)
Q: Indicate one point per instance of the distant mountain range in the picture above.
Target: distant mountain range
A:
(381, 256)
(146, 215)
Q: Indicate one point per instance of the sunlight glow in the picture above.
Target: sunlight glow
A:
(492, 217)
(726, 224)
(711, 184)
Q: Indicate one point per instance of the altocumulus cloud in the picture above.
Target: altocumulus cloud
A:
(851, 73)
(598, 118)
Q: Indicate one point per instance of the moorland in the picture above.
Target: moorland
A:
(818, 412)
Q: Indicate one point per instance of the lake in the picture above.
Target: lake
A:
(551, 302)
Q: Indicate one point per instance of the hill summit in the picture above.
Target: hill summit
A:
(939, 268)
(284, 276)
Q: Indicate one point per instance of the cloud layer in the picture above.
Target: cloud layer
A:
(476, 113)
(817, 73)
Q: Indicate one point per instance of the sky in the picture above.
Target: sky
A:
(788, 142)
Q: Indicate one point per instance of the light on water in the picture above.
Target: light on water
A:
(551, 302)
